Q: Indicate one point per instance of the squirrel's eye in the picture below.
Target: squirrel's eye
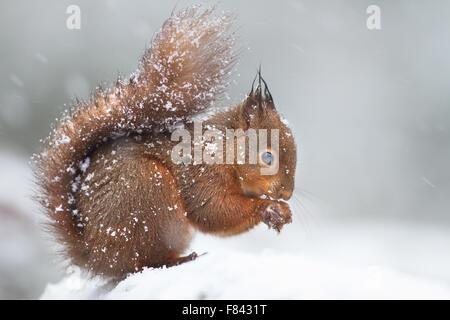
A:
(267, 158)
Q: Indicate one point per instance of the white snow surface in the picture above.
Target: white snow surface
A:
(329, 260)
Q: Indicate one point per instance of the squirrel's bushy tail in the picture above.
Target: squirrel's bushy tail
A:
(183, 72)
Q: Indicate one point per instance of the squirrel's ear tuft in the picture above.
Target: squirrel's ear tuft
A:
(261, 95)
(258, 100)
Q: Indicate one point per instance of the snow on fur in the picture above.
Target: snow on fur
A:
(183, 72)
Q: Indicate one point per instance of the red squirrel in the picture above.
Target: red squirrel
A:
(116, 199)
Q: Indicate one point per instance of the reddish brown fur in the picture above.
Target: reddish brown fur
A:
(132, 207)
(126, 220)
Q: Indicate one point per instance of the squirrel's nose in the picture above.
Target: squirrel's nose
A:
(285, 194)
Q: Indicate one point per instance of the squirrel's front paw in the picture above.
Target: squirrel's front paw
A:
(276, 214)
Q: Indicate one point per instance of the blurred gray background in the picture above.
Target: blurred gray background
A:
(370, 109)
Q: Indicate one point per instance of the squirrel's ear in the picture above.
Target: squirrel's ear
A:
(266, 97)
(258, 100)
(260, 94)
